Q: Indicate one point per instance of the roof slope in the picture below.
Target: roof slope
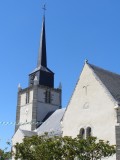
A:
(53, 124)
(110, 80)
(28, 133)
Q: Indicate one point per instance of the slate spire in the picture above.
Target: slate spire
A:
(44, 75)
(42, 59)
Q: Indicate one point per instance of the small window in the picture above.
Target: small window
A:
(27, 97)
(88, 132)
(82, 132)
(48, 96)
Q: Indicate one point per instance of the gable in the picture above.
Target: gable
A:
(18, 137)
(91, 105)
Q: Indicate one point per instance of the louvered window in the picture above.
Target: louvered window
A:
(27, 97)
(48, 96)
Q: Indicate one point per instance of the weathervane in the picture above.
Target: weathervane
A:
(44, 8)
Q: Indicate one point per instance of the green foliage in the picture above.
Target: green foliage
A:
(4, 154)
(63, 148)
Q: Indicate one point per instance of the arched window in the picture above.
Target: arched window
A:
(88, 132)
(82, 132)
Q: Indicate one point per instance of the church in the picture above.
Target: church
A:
(93, 109)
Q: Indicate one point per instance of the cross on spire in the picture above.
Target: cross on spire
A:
(44, 75)
(44, 8)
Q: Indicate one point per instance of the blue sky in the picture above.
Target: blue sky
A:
(75, 30)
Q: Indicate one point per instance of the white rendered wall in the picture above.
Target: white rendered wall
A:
(17, 138)
(23, 98)
(41, 95)
(31, 96)
(42, 107)
(92, 107)
(56, 98)
(26, 111)
(26, 116)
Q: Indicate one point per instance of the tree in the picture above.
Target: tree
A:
(63, 148)
(4, 154)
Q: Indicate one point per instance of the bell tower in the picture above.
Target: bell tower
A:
(40, 99)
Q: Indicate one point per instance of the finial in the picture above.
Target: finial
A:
(86, 61)
(60, 85)
(35, 80)
(19, 87)
(44, 8)
(117, 106)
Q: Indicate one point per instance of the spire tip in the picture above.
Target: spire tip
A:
(86, 61)
(44, 8)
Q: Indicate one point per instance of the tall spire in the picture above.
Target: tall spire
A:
(44, 75)
(42, 59)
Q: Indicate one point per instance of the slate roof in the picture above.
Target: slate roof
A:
(110, 80)
(42, 69)
(53, 124)
(42, 60)
(28, 133)
(42, 55)
(48, 115)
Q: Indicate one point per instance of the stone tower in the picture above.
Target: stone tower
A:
(40, 99)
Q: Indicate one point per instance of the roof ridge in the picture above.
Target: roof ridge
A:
(110, 80)
(92, 65)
